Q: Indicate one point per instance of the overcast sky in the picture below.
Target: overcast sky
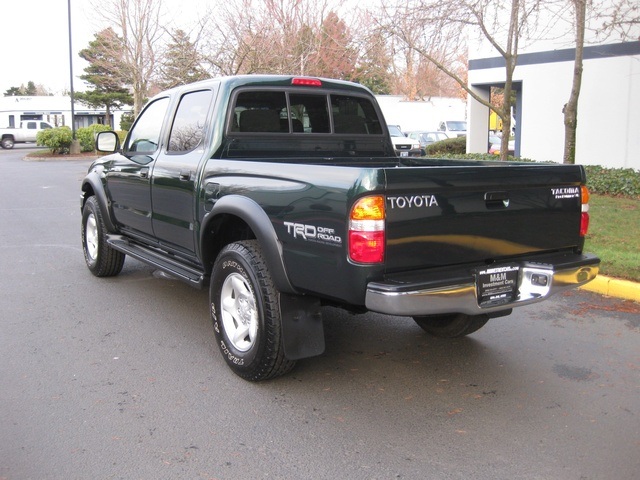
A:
(35, 43)
(34, 35)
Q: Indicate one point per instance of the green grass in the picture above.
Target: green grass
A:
(614, 235)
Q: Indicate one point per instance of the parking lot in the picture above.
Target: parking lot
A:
(120, 378)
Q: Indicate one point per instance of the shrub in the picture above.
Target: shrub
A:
(86, 136)
(122, 135)
(613, 181)
(126, 121)
(456, 146)
(57, 140)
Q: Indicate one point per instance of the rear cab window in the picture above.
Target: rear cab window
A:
(301, 122)
(283, 112)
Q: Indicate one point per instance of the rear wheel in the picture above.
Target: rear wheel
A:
(451, 325)
(101, 258)
(7, 142)
(245, 310)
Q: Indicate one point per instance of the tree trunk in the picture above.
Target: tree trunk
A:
(570, 109)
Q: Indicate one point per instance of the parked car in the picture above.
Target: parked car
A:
(26, 133)
(495, 143)
(403, 145)
(453, 128)
(427, 138)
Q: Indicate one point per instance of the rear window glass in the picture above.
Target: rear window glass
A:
(271, 111)
(354, 115)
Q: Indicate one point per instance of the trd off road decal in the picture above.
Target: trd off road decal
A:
(313, 233)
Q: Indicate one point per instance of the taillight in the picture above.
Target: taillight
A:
(306, 82)
(366, 230)
(584, 219)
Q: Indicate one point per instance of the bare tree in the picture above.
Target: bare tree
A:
(570, 109)
(619, 17)
(610, 18)
(436, 28)
(278, 36)
(139, 26)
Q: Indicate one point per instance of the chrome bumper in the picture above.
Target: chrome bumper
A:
(457, 292)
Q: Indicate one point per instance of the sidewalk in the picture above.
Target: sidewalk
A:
(614, 287)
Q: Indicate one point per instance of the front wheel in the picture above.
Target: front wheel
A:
(101, 258)
(7, 143)
(245, 310)
(452, 325)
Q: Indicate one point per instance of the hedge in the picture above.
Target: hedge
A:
(623, 182)
(86, 136)
(57, 140)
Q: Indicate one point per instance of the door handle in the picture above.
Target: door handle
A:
(144, 172)
(496, 199)
(185, 175)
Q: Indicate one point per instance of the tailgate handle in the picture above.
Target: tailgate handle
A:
(496, 199)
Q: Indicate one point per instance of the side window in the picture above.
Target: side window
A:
(44, 126)
(31, 125)
(145, 135)
(354, 115)
(260, 112)
(187, 130)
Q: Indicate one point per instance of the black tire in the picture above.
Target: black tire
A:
(7, 143)
(245, 310)
(101, 258)
(452, 325)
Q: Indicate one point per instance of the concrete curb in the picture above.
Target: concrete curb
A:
(66, 158)
(614, 287)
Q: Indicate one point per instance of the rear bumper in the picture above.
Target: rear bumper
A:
(456, 291)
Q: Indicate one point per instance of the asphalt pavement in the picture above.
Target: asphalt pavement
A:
(120, 378)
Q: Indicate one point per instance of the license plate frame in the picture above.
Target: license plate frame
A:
(497, 285)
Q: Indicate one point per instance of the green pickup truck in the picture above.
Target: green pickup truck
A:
(285, 194)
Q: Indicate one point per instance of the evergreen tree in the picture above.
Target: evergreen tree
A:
(182, 62)
(13, 92)
(31, 89)
(105, 74)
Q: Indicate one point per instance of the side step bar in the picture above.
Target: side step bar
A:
(171, 266)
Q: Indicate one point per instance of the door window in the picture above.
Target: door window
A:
(188, 130)
(145, 135)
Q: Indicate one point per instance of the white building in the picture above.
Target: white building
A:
(53, 109)
(608, 131)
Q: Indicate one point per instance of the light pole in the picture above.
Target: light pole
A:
(75, 145)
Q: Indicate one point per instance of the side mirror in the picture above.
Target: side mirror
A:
(107, 142)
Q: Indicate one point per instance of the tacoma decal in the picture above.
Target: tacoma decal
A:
(565, 192)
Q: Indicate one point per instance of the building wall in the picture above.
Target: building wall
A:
(53, 109)
(608, 109)
(609, 104)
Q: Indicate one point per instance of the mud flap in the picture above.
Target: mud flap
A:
(302, 328)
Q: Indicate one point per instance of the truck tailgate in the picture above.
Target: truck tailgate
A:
(475, 213)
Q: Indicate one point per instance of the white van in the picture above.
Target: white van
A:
(453, 128)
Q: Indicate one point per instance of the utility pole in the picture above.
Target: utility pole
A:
(75, 144)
